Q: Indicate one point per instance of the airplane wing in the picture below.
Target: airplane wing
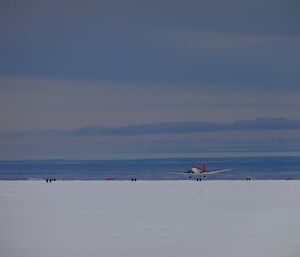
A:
(183, 173)
(216, 171)
(190, 173)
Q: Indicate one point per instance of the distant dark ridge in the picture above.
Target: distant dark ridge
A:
(165, 128)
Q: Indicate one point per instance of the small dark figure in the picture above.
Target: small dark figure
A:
(134, 179)
(131, 179)
(47, 180)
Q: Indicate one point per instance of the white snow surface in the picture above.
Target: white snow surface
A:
(150, 219)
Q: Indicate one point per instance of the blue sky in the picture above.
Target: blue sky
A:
(67, 64)
(71, 64)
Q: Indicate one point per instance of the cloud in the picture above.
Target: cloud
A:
(145, 140)
(217, 40)
(165, 128)
(69, 64)
(39, 103)
(125, 41)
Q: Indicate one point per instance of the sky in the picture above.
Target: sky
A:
(72, 64)
(67, 64)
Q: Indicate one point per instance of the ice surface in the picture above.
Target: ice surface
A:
(150, 218)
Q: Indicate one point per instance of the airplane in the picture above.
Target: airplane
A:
(199, 170)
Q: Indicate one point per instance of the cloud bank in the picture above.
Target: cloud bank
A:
(164, 128)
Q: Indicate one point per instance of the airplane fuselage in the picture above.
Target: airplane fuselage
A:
(201, 170)
(197, 170)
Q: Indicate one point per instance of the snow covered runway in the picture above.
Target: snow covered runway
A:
(150, 218)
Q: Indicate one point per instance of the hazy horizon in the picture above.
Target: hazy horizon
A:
(261, 137)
